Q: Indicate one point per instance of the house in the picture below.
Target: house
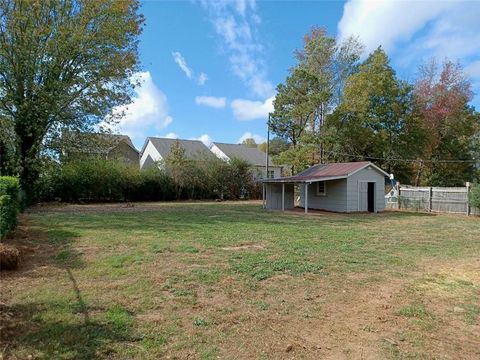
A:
(107, 146)
(157, 149)
(251, 155)
(340, 187)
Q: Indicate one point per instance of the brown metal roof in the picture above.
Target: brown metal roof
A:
(325, 171)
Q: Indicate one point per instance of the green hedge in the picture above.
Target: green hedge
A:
(9, 204)
(92, 180)
(98, 180)
(474, 196)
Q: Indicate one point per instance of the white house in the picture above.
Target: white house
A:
(251, 155)
(157, 149)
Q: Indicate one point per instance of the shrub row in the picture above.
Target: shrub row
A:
(90, 180)
(9, 204)
(474, 196)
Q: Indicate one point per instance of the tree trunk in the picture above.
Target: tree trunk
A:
(419, 173)
(28, 146)
(3, 159)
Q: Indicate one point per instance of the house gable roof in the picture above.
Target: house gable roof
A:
(328, 172)
(239, 151)
(123, 138)
(194, 149)
(100, 142)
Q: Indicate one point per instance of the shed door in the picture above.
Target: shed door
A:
(363, 196)
(371, 197)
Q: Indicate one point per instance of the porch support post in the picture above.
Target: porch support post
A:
(263, 195)
(469, 209)
(283, 196)
(306, 198)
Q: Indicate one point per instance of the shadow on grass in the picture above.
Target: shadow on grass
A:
(42, 246)
(26, 332)
(42, 327)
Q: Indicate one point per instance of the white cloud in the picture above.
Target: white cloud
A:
(182, 64)
(170, 135)
(148, 109)
(415, 31)
(212, 101)
(206, 139)
(202, 78)
(248, 135)
(236, 24)
(251, 110)
(381, 22)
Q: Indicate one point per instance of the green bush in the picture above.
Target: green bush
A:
(474, 197)
(9, 204)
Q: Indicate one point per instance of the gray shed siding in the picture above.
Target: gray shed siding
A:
(274, 196)
(366, 175)
(335, 198)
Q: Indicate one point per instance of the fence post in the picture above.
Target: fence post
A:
(468, 196)
(430, 195)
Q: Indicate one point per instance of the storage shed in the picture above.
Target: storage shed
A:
(340, 187)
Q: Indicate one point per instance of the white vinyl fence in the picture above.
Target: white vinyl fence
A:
(432, 199)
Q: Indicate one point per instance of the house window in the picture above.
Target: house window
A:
(270, 174)
(321, 188)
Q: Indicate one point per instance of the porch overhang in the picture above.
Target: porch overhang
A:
(293, 180)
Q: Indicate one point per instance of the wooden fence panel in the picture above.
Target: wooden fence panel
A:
(414, 198)
(433, 199)
(450, 200)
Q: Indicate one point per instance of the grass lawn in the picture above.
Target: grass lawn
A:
(230, 280)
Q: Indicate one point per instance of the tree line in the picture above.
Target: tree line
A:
(333, 107)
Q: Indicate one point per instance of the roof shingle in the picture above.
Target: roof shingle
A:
(325, 171)
(251, 155)
(194, 149)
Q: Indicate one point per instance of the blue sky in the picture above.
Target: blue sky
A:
(210, 68)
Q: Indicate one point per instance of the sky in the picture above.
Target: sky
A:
(209, 69)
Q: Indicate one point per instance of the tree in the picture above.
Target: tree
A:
(63, 64)
(249, 143)
(241, 178)
(293, 107)
(7, 147)
(310, 92)
(450, 124)
(178, 167)
(374, 121)
(275, 147)
(330, 63)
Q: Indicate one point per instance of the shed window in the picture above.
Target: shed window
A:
(322, 188)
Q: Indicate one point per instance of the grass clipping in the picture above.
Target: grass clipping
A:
(9, 257)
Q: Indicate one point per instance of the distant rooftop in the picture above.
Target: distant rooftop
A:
(239, 151)
(84, 140)
(193, 148)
